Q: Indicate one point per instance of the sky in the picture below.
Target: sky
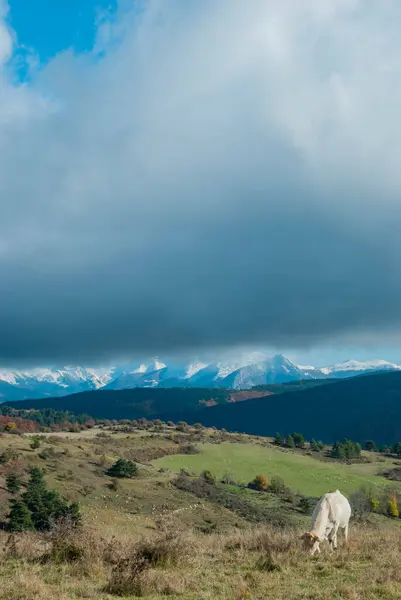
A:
(184, 177)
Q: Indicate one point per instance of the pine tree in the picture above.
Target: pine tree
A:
(299, 440)
(13, 482)
(278, 439)
(19, 518)
(290, 442)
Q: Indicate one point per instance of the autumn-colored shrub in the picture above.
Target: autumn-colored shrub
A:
(392, 507)
(260, 483)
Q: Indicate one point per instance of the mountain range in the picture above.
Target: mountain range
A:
(242, 372)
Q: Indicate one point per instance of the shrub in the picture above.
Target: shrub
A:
(182, 426)
(304, 505)
(375, 504)
(277, 485)
(8, 456)
(370, 446)
(209, 477)
(361, 503)
(114, 485)
(35, 442)
(188, 449)
(392, 507)
(260, 483)
(123, 468)
(127, 573)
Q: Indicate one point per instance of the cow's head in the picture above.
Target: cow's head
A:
(311, 542)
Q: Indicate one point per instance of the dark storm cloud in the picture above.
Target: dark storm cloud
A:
(223, 176)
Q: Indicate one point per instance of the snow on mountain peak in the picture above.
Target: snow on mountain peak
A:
(232, 371)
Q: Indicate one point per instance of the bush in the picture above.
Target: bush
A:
(123, 468)
(370, 446)
(182, 426)
(260, 483)
(375, 505)
(277, 485)
(166, 550)
(392, 507)
(114, 485)
(209, 477)
(304, 505)
(35, 442)
(361, 503)
(188, 449)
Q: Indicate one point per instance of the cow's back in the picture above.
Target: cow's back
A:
(340, 509)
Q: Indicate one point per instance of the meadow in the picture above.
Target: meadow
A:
(301, 472)
(148, 538)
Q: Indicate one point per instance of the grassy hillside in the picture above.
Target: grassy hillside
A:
(139, 402)
(300, 471)
(151, 538)
(360, 408)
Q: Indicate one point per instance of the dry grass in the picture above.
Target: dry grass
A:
(256, 564)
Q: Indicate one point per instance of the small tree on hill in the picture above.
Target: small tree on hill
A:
(35, 442)
(182, 426)
(289, 442)
(19, 518)
(123, 468)
(278, 440)
(13, 482)
(44, 506)
(397, 448)
(370, 446)
(346, 450)
(299, 440)
(260, 483)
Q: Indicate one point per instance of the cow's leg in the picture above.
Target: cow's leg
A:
(346, 533)
(333, 538)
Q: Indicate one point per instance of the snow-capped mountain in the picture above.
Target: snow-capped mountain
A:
(350, 368)
(236, 372)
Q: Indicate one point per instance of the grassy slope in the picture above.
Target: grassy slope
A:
(300, 472)
(236, 564)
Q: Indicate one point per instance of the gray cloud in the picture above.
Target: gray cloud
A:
(227, 173)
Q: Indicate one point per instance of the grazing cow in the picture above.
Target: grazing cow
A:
(331, 513)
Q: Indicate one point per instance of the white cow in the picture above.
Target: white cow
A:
(331, 513)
